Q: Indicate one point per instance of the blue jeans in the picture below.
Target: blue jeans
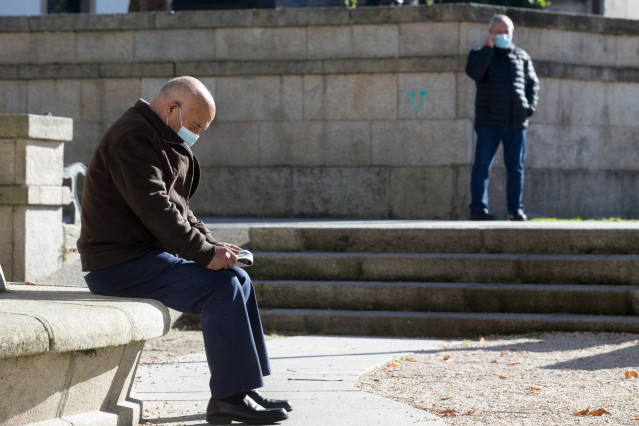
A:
(231, 326)
(488, 139)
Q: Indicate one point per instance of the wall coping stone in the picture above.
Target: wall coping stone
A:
(32, 126)
(40, 319)
(472, 12)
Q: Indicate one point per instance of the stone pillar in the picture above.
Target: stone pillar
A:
(31, 194)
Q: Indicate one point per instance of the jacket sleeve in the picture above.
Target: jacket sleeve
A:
(478, 62)
(137, 173)
(197, 224)
(532, 87)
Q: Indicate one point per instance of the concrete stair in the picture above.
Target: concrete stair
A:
(447, 279)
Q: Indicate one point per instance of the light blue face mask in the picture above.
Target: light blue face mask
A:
(187, 136)
(502, 41)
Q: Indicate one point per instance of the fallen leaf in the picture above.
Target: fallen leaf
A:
(599, 412)
(582, 413)
(394, 364)
(512, 349)
(503, 377)
(376, 380)
(445, 398)
(514, 363)
(630, 374)
(481, 339)
(448, 413)
(168, 339)
(469, 413)
(446, 357)
(535, 388)
(29, 283)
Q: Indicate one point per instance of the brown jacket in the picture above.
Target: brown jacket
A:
(136, 195)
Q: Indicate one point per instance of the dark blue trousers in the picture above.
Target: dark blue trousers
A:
(488, 140)
(231, 326)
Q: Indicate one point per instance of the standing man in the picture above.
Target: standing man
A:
(507, 94)
(139, 238)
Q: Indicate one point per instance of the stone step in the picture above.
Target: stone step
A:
(449, 297)
(438, 267)
(437, 324)
(449, 237)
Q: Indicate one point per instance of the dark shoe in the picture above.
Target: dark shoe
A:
(249, 412)
(481, 216)
(520, 216)
(267, 402)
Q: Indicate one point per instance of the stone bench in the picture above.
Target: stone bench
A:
(69, 357)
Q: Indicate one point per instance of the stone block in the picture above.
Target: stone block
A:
(203, 19)
(42, 235)
(36, 127)
(174, 45)
(53, 47)
(562, 147)
(150, 87)
(119, 95)
(350, 97)
(630, 195)
(341, 192)
(105, 46)
(137, 70)
(427, 96)
(623, 104)
(472, 35)
(54, 71)
(246, 192)
(258, 98)
(15, 48)
(14, 23)
(229, 144)
(8, 159)
(422, 193)
(466, 93)
(573, 193)
(420, 143)
(6, 235)
(43, 162)
(627, 51)
(34, 195)
(60, 97)
(533, 41)
(618, 148)
(260, 43)
(315, 144)
(23, 376)
(428, 38)
(91, 22)
(93, 374)
(13, 96)
(86, 138)
(286, 16)
(353, 41)
(581, 47)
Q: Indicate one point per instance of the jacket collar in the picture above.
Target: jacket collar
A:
(505, 51)
(165, 131)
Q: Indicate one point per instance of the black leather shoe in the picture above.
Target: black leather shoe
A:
(249, 412)
(481, 216)
(520, 216)
(267, 402)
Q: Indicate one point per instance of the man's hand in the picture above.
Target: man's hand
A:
(225, 256)
(490, 40)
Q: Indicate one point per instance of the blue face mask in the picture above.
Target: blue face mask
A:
(185, 134)
(502, 41)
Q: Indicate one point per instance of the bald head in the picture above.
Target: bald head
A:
(185, 101)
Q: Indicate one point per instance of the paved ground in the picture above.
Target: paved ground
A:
(316, 373)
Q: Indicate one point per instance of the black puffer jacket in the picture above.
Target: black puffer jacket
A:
(507, 86)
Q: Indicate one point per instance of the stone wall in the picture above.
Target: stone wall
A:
(363, 113)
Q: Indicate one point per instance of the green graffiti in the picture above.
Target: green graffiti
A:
(411, 96)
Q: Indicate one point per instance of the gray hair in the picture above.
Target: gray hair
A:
(501, 18)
